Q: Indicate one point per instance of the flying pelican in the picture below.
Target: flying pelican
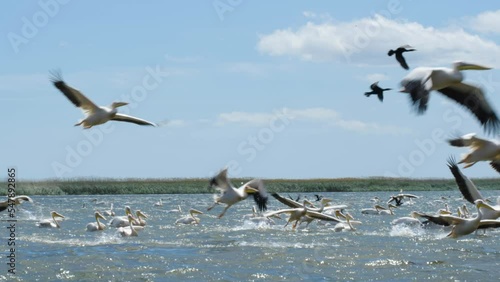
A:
(297, 213)
(471, 193)
(481, 149)
(399, 198)
(51, 222)
(294, 204)
(191, 218)
(419, 82)
(121, 221)
(399, 54)
(464, 226)
(130, 230)
(96, 226)
(377, 90)
(14, 201)
(231, 195)
(95, 115)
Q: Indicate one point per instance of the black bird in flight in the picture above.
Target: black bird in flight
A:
(399, 55)
(377, 90)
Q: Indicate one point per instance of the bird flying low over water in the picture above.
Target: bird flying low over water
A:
(481, 150)
(231, 195)
(448, 81)
(377, 90)
(14, 201)
(399, 54)
(95, 115)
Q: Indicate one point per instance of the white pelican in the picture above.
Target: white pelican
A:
(51, 222)
(129, 230)
(15, 201)
(231, 195)
(400, 197)
(464, 226)
(178, 209)
(420, 81)
(140, 216)
(377, 90)
(399, 54)
(471, 193)
(407, 220)
(109, 212)
(480, 149)
(95, 115)
(121, 221)
(378, 209)
(97, 225)
(191, 218)
(324, 204)
(297, 213)
(159, 203)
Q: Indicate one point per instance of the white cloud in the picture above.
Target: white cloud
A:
(367, 40)
(487, 22)
(322, 116)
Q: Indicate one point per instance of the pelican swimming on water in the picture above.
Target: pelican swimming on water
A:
(231, 195)
(448, 81)
(96, 226)
(95, 115)
(121, 221)
(130, 230)
(191, 218)
(139, 220)
(399, 55)
(481, 149)
(377, 90)
(51, 222)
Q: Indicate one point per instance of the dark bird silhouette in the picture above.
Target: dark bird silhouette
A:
(318, 197)
(377, 90)
(399, 55)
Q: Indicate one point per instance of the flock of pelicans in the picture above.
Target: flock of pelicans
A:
(418, 84)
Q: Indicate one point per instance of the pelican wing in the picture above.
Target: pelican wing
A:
(465, 185)
(127, 118)
(322, 216)
(289, 202)
(419, 95)
(268, 214)
(76, 97)
(489, 223)
(473, 99)
(432, 218)
(335, 207)
(220, 181)
(464, 141)
(495, 165)
(260, 198)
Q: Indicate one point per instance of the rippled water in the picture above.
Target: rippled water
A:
(232, 249)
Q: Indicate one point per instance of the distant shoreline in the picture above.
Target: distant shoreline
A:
(200, 186)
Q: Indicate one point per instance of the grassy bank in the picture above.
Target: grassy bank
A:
(199, 186)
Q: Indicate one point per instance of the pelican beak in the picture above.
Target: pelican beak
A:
(196, 211)
(482, 204)
(99, 215)
(56, 214)
(142, 214)
(250, 190)
(120, 104)
(468, 66)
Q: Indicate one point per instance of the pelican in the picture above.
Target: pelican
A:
(109, 212)
(495, 165)
(96, 226)
(294, 204)
(378, 209)
(51, 222)
(347, 225)
(481, 149)
(191, 218)
(121, 221)
(407, 220)
(130, 230)
(139, 220)
(471, 193)
(297, 213)
(377, 90)
(178, 209)
(14, 201)
(419, 82)
(399, 54)
(159, 203)
(95, 115)
(231, 195)
(399, 198)
(464, 226)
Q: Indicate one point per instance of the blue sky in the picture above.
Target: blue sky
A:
(272, 89)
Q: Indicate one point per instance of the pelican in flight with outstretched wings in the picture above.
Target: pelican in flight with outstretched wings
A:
(448, 81)
(480, 149)
(231, 195)
(95, 115)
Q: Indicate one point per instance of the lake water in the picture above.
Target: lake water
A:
(232, 249)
